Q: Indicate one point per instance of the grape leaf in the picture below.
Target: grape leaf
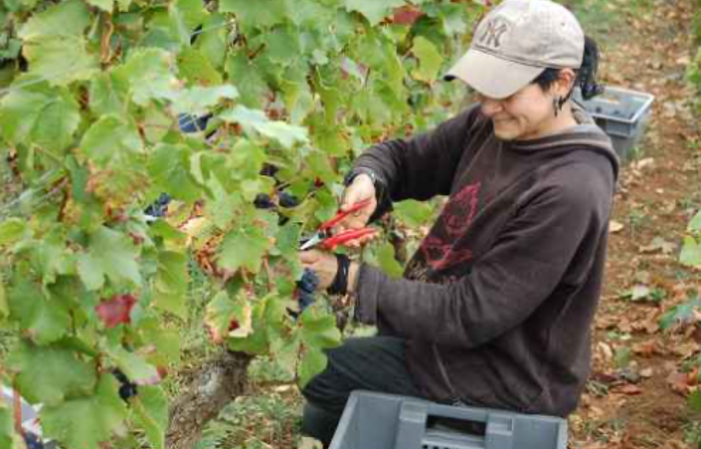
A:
(258, 14)
(150, 408)
(105, 5)
(45, 320)
(319, 331)
(196, 68)
(199, 100)
(60, 61)
(242, 73)
(4, 306)
(148, 74)
(244, 247)
(373, 10)
(255, 120)
(84, 422)
(413, 213)
(313, 362)
(186, 15)
(13, 230)
(116, 310)
(65, 19)
(49, 374)
(48, 118)
(134, 366)
(110, 255)
(170, 284)
(105, 96)
(111, 140)
(7, 428)
(430, 60)
(389, 264)
(169, 167)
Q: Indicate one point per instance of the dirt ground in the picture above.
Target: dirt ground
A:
(636, 396)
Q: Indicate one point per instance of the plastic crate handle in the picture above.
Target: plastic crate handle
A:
(413, 431)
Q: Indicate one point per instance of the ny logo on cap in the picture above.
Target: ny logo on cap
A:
(492, 35)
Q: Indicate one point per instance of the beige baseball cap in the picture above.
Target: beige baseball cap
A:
(515, 43)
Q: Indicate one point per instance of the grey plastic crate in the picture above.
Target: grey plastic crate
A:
(622, 114)
(382, 421)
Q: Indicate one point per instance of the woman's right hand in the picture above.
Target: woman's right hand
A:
(362, 188)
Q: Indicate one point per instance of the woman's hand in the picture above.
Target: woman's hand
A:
(323, 264)
(361, 189)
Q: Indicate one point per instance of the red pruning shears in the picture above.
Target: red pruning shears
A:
(330, 241)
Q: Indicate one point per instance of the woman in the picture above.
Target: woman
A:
(496, 305)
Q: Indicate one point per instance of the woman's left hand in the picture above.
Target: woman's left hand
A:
(324, 265)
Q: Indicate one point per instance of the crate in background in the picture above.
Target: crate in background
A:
(383, 421)
(622, 114)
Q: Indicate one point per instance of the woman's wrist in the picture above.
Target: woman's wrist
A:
(353, 272)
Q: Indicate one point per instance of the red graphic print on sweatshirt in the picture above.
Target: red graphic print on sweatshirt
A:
(454, 222)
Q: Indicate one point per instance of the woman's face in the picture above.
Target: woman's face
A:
(527, 114)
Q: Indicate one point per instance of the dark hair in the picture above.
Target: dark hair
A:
(586, 74)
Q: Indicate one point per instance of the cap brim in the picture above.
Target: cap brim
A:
(491, 76)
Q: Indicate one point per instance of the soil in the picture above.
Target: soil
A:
(637, 395)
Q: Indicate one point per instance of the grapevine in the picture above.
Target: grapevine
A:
(141, 135)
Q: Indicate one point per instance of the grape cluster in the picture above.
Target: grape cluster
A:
(159, 207)
(127, 389)
(306, 288)
(33, 441)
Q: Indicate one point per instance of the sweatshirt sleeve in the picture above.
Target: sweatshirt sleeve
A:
(423, 166)
(525, 265)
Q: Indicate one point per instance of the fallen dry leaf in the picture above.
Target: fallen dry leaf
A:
(615, 226)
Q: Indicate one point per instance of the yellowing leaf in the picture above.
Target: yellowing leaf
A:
(430, 60)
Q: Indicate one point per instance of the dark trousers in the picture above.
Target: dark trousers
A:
(369, 363)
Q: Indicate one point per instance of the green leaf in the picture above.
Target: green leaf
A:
(313, 362)
(244, 248)
(388, 262)
(691, 252)
(13, 230)
(110, 255)
(111, 140)
(7, 428)
(148, 74)
(242, 73)
(49, 375)
(170, 285)
(695, 224)
(60, 61)
(44, 320)
(213, 43)
(46, 117)
(319, 332)
(430, 60)
(200, 100)
(695, 401)
(105, 96)
(150, 409)
(373, 10)
(254, 120)
(186, 15)
(169, 167)
(4, 306)
(684, 313)
(134, 366)
(105, 5)
(413, 213)
(83, 423)
(196, 68)
(254, 15)
(65, 19)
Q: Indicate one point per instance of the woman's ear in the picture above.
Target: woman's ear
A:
(565, 82)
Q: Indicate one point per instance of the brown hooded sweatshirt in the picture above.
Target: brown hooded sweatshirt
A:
(497, 303)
